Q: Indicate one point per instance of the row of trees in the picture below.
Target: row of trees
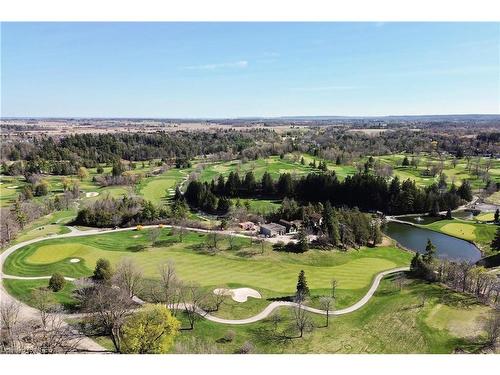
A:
(363, 190)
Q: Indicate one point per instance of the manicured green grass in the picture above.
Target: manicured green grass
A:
(393, 321)
(481, 234)
(160, 188)
(262, 206)
(487, 216)
(10, 188)
(273, 274)
(22, 290)
(274, 165)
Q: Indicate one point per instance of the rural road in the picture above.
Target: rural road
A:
(27, 312)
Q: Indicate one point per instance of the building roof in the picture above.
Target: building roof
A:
(274, 226)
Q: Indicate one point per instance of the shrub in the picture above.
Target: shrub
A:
(102, 271)
(56, 282)
(246, 348)
(229, 336)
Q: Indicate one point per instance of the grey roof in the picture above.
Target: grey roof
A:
(273, 226)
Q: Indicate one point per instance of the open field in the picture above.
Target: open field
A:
(273, 274)
(456, 174)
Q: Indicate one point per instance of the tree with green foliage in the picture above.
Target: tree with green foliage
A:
(41, 188)
(223, 205)
(102, 271)
(302, 161)
(330, 224)
(430, 251)
(151, 330)
(406, 162)
(117, 168)
(495, 244)
(496, 218)
(303, 242)
(465, 191)
(100, 169)
(249, 184)
(302, 288)
(20, 215)
(82, 173)
(56, 282)
(448, 215)
(267, 184)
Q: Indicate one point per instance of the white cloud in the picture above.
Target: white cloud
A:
(227, 65)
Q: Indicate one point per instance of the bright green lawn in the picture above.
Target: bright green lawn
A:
(22, 290)
(272, 273)
(481, 234)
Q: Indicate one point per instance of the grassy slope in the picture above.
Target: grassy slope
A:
(392, 322)
(22, 289)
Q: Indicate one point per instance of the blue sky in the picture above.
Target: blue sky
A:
(248, 69)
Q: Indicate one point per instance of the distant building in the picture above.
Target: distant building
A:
(290, 227)
(247, 225)
(272, 229)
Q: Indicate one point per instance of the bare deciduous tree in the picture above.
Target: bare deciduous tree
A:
(492, 328)
(128, 277)
(193, 298)
(108, 307)
(327, 304)
(301, 319)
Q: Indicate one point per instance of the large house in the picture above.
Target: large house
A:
(272, 229)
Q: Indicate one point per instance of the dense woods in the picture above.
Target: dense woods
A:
(363, 190)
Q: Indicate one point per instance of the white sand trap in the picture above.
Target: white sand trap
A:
(136, 236)
(91, 194)
(12, 187)
(239, 294)
(74, 260)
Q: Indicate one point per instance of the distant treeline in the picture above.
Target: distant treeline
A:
(363, 190)
(91, 149)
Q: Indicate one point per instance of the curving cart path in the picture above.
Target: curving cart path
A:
(88, 344)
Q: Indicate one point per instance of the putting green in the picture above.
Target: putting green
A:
(466, 231)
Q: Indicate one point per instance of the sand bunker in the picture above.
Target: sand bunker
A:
(74, 260)
(91, 194)
(239, 294)
(12, 187)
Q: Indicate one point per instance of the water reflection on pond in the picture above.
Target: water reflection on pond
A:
(447, 247)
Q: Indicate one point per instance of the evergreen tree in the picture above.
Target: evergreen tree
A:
(497, 216)
(267, 184)
(406, 162)
(303, 243)
(331, 224)
(302, 161)
(448, 214)
(302, 288)
(430, 251)
(465, 191)
(495, 244)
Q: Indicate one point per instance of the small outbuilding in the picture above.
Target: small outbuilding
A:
(290, 227)
(272, 230)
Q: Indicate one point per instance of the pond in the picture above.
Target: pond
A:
(447, 247)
